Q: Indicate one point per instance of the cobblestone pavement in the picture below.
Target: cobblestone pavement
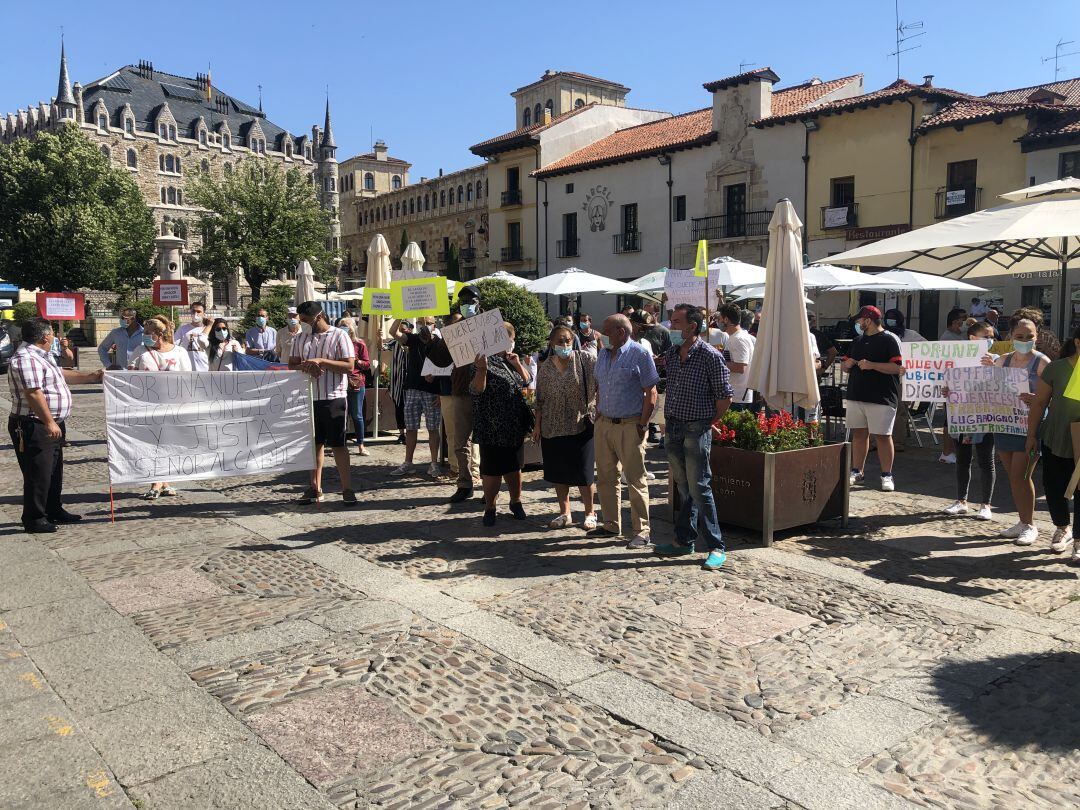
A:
(230, 649)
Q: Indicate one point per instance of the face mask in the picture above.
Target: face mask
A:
(1023, 346)
(606, 341)
(149, 341)
(512, 344)
(892, 322)
(261, 321)
(583, 326)
(293, 322)
(563, 351)
(677, 339)
(989, 343)
(468, 310)
(222, 334)
(858, 328)
(123, 322)
(196, 317)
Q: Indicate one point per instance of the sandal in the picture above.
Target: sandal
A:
(560, 522)
(590, 522)
(169, 491)
(310, 496)
(152, 494)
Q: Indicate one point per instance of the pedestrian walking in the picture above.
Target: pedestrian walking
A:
(40, 405)
(501, 421)
(565, 398)
(698, 394)
(261, 339)
(626, 380)
(221, 347)
(1013, 449)
(327, 355)
(122, 341)
(421, 396)
(874, 366)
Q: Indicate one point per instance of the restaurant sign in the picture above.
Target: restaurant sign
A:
(875, 232)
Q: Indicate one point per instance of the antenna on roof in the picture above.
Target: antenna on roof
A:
(903, 35)
(744, 65)
(260, 98)
(1056, 58)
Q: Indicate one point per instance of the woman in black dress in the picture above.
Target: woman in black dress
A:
(501, 420)
(565, 395)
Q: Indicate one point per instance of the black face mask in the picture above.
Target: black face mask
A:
(425, 333)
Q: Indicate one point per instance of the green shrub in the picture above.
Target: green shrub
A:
(275, 300)
(521, 308)
(24, 311)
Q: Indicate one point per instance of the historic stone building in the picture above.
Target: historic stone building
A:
(165, 128)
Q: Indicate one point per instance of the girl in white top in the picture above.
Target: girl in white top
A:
(159, 353)
(222, 347)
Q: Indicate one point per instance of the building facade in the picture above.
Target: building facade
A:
(164, 129)
(557, 92)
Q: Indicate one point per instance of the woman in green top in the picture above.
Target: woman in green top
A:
(1057, 450)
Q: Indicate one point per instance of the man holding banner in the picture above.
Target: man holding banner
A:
(326, 354)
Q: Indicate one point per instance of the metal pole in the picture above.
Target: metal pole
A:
(1065, 298)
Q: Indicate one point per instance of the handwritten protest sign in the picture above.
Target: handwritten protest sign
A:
(686, 287)
(986, 399)
(376, 302)
(61, 306)
(170, 293)
(419, 297)
(927, 361)
(181, 426)
(481, 334)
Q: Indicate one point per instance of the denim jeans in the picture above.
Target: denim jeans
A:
(355, 403)
(689, 445)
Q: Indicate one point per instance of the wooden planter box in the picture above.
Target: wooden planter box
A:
(771, 492)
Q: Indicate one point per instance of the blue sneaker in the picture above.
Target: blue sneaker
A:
(715, 561)
(672, 550)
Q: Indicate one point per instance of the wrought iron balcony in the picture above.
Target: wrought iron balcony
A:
(511, 197)
(731, 226)
(468, 256)
(956, 202)
(839, 216)
(511, 254)
(565, 248)
(629, 242)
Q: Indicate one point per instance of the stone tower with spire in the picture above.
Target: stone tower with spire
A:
(327, 174)
(65, 99)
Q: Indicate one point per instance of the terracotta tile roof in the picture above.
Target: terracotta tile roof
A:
(1068, 89)
(792, 99)
(898, 90)
(573, 75)
(511, 139)
(741, 78)
(677, 132)
(1065, 123)
(1055, 99)
(972, 112)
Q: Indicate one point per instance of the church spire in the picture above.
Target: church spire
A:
(328, 132)
(63, 90)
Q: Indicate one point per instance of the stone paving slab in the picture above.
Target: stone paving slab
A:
(35, 583)
(57, 771)
(62, 619)
(721, 788)
(135, 594)
(190, 657)
(822, 786)
(36, 716)
(731, 617)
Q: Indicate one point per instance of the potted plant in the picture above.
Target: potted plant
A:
(772, 472)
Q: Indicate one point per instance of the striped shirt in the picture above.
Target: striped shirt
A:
(31, 370)
(333, 344)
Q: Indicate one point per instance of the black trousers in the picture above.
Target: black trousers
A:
(42, 463)
(1056, 474)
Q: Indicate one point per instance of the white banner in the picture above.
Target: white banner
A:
(836, 217)
(481, 334)
(182, 426)
(927, 361)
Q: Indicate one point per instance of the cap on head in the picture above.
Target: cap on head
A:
(470, 293)
(291, 310)
(871, 312)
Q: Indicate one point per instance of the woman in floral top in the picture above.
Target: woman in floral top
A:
(565, 395)
(500, 424)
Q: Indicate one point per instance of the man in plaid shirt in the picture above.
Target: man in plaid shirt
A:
(698, 394)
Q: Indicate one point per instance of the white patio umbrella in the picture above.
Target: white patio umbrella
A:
(378, 277)
(733, 273)
(650, 282)
(502, 275)
(900, 281)
(755, 294)
(827, 277)
(412, 264)
(782, 369)
(573, 281)
(1037, 230)
(346, 295)
(305, 283)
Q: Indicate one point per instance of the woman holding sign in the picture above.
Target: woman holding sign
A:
(222, 347)
(501, 421)
(1055, 396)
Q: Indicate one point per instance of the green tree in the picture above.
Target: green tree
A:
(143, 308)
(263, 220)
(521, 308)
(24, 311)
(453, 264)
(404, 243)
(276, 302)
(69, 219)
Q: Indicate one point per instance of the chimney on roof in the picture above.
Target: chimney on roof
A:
(928, 80)
(548, 73)
(380, 150)
(814, 81)
(76, 89)
(146, 69)
(440, 172)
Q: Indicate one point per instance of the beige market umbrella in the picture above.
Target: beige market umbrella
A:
(782, 368)
(378, 278)
(305, 282)
(412, 264)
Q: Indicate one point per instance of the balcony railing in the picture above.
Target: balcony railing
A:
(626, 242)
(511, 197)
(511, 254)
(839, 216)
(956, 202)
(731, 226)
(565, 248)
(468, 256)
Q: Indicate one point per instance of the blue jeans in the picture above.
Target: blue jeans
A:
(689, 445)
(354, 401)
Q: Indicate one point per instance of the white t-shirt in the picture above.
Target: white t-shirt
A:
(194, 340)
(176, 359)
(223, 360)
(739, 348)
(979, 309)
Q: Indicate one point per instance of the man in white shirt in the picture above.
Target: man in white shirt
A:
(122, 341)
(286, 334)
(192, 337)
(978, 308)
(738, 352)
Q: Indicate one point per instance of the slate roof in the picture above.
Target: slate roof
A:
(186, 100)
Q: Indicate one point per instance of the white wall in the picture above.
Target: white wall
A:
(778, 151)
(588, 127)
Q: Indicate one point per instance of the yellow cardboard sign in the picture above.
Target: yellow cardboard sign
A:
(701, 264)
(418, 297)
(375, 302)
(1072, 390)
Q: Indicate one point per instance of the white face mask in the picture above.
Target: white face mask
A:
(196, 318)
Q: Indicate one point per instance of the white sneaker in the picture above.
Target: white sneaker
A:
(434, 471)
(887, 484)
(1075, 558)
(1015, 531)
(984, 513)
(403, 469)
(1062, 538)
(1027, 537)
(947, 459)
(958, 508)
(856, 477)
(650, 475)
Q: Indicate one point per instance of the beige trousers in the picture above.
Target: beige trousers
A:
(615, 446)
(464, 455)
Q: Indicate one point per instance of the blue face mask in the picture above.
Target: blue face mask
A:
(468, 310)
(293, 322)
(858, 328)
(222, 334)
(583, 326)
(606, 341)
(149, 341)
(563, 351)
(1023, 346)
(261, 321)
(676, 339)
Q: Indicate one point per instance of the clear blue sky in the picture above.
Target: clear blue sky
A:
(431, 78)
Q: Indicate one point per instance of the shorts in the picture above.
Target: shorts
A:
(878, 418)
(419, 403)
(330, 422)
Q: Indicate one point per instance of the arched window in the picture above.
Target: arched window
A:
(412, 205)
(228, 169)
(369, 181)
(163, 132)
(161, 163)
(179, 196)
(460, 194)
(204, 166)
(384, 212)
(442, 198)
(172, 196)
(579, 103)
(225, 141)
(132, 159)
(427, 202)
(129, 125)
(468, 192)
(172, 132)
(202, 137)
(103, 121)
(538, 114)
(163, 195)
(526, 118)
(288, 149)
(395, 182)
(105, 151)
(307, 151)
(549, 105)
